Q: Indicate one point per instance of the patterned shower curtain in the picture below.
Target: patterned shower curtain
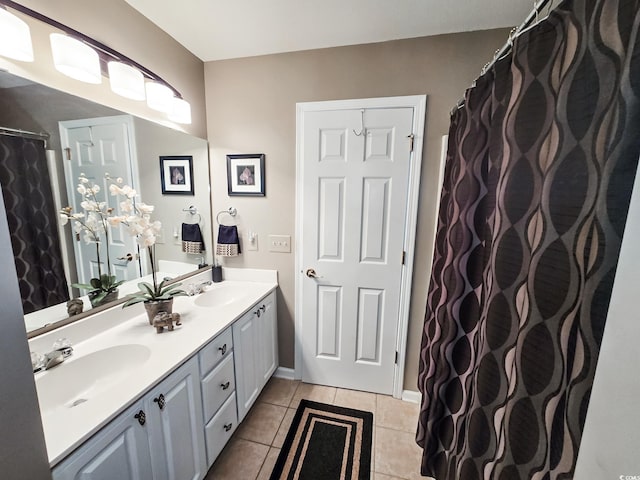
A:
(540, 167)
(32, 219)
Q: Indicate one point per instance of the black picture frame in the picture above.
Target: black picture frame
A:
(246, 175)
(176, 175)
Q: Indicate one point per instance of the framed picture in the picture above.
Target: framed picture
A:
(245, 174)
(176, 175)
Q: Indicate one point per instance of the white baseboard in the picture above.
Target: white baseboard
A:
(411, 396)
(286, 373)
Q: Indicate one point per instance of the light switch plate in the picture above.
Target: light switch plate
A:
(280, 243)
(248, 244)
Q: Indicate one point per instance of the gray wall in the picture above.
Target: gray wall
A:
(23, 452)
(251, 108)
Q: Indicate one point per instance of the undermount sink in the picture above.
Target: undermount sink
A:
(219, 296)
(79, 379)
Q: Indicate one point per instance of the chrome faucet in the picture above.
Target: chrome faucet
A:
(61, 350)
(196, 288)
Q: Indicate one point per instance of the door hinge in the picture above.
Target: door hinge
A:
(411, 138)
(396, 360)
(68, 152)
(404, 255)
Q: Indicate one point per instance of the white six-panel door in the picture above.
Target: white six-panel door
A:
(96, 147)
(353, 214)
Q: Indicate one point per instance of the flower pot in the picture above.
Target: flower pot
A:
(110, 297)
(153, 307)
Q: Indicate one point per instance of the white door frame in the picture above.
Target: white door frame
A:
(419, 105)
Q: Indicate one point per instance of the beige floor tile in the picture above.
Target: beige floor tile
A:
(269, 463)
(396, 414)
(284, 428)
(355, 399)
(261, 423)
(240, 460)
(397, 454)
(279, 391)
(316, 393)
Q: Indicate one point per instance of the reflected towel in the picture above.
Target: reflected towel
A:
(192, 241)
(228, 241)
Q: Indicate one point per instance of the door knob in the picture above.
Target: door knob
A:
(311, 273)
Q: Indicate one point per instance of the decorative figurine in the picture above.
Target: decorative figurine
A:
(74, 306)
(164, 319)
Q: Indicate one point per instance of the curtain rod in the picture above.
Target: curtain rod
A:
(533, 16)
(16, 132)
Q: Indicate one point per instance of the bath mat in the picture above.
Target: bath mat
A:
(326, 442)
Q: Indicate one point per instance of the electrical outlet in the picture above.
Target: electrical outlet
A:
(280, 243)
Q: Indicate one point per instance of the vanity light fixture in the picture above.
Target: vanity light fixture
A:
(77, 55)
(159, 97)
(126, 80)
(75, 59)
(15, 37)
(181, 111)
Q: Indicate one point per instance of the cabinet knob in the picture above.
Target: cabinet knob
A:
(223, 349)
(257, 312)
(141, 417)
(160, 401)
(225, 385)
(228, 427)
(263, 307)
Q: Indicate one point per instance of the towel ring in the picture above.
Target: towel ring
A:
(230, 211)
(193, 211)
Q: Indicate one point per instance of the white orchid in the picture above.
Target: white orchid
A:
(93, 225)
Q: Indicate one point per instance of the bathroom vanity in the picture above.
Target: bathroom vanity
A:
(134, 404)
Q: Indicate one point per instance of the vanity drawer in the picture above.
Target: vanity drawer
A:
(219, 430)
(219, 348)
(217, 386)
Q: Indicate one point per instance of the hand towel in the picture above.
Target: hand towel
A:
(228, 241)
(192, 241)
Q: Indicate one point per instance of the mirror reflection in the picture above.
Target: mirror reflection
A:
(49, 141)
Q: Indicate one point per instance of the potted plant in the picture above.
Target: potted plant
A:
(157, 297)
(93, 224)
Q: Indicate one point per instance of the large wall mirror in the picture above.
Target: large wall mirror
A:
(40, 176)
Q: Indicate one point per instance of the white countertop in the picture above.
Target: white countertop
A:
(66, 428)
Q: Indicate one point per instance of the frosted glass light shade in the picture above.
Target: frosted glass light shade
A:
(75, 59)
(15, 38)
(181, 111)
(126, 80)
(159, 97)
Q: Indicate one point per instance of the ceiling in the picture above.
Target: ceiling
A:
(222, 29)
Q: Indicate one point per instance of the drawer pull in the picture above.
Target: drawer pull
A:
(228, 427)
(223, 349)
(225, 385)
(141, 417)
(160, 401)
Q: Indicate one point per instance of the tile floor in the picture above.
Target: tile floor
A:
(252, 451)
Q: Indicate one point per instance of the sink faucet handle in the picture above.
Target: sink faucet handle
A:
(37, 361)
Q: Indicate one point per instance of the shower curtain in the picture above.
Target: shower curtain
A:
(32, 219)
(540, 167)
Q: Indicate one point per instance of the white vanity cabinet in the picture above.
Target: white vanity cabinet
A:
(120, 450)
(176, 438)
(218, 393)
(256, 351)
(159, 437)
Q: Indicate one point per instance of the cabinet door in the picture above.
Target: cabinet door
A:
(176, 427)
(120, 450)
(268, 338)
(245, 344)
